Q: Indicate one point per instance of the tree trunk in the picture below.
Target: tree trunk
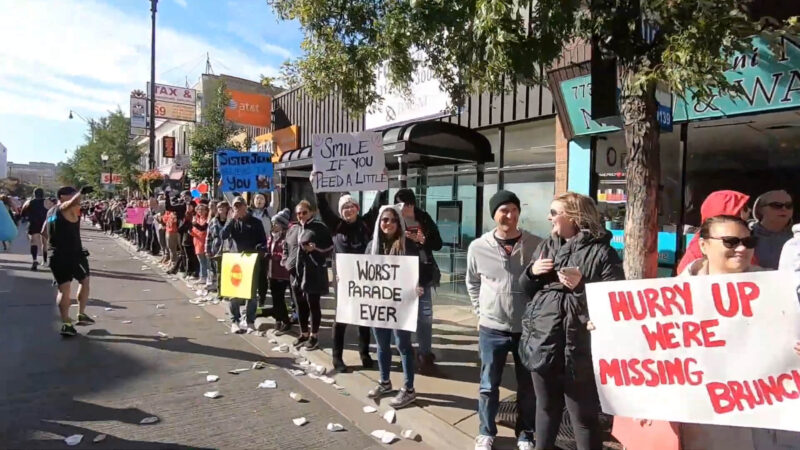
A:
(643, 178)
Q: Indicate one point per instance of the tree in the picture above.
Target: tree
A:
(213, 133)
(110, 137)
(492, 45)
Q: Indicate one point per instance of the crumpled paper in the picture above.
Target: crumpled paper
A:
(268, 384)
(386, 437)
(212, 394)
(73, 440)
(300, 421)
(334, 427)
(212, 378)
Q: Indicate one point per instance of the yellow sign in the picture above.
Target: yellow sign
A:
(237, 275)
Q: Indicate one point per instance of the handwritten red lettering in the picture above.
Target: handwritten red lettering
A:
(741, 395)
(650, 372)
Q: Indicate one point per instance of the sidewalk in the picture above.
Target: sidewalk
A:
(445, 414)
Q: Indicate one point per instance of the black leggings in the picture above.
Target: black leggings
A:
(552, 392)
(308, 304)
(190, 262)
(339, 330)
(278, 290)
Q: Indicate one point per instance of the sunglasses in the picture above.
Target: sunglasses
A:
(388, 220)
(779, 205)
(554, 213)
(732, 242)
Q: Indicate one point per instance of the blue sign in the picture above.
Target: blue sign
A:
(245, 171)
(666, 245)
(770, 80)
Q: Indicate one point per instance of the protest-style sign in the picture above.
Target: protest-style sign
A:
(704, 349)
(135, 216)
(346, 162)
(377, 291)
(238, 271)
(245, 171)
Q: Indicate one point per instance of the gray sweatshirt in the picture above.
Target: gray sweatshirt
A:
(492, 280)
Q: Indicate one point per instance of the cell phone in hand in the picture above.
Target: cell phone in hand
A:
(569, 270)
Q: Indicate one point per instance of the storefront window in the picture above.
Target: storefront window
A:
(530, 143)
(535, 189)
(489, 189)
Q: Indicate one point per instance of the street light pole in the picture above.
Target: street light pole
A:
(152, 156)
(89, 121)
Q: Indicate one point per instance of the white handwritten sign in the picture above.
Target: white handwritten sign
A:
(377, 291)
(348, 162)
(704, 349)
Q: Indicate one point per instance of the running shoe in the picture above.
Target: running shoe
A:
(403, 398)
(380, 390)
(67, 330)
(312, 343)
(299, 342)
(235, 329)
(282, 328)
(83, 319)
(35, 266)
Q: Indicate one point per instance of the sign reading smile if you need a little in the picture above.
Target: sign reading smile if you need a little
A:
(347, 162)
(377, 291)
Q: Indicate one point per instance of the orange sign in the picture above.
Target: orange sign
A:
(281, 141)
(236, 275)
(249, 109)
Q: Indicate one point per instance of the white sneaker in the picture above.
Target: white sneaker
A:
(235, 328)
(484, 442)
(525, 445)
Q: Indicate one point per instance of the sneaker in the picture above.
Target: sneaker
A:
(403, 398)
(236, 329)
(301, 341)
(44, 263)
(282, 328)
(380, 390)
(83, 319)
(312, 344)
(484, 442)
(35, 266)
(339, 366)
(525, 445)
(250, 327)
(67, 330)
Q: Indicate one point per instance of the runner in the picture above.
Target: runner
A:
(68, 258)
(35, 211)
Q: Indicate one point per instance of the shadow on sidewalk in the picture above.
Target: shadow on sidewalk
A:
(124, 276)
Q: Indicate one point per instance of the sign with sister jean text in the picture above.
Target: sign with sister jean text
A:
(245, 171)
(377, 291)
(704, 349)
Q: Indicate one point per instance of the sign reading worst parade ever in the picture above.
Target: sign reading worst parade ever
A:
(705, 349)
(245, 171)
(377, 291)
(347, 162)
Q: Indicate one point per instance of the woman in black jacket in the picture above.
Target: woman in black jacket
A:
(351, 233)
(555, 344)
(310, 280)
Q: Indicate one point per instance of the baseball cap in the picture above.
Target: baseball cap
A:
(238, 200)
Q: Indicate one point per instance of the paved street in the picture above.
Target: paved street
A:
(113, 375)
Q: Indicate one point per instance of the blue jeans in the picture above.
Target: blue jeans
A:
(425, 323)
(252, 304)
(494, 346)
(402, 338)
(202, 259)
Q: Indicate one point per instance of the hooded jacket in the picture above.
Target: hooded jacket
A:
(554, 335)
(411, 248)
(310, 268)
(429, 273)
(214, 242)
(350, 238)
(493, 280)
(718, 203)
(790, 255)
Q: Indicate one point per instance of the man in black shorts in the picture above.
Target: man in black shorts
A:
(35, 210)
(68, 260)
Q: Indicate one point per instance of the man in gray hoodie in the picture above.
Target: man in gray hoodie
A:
(494, 263)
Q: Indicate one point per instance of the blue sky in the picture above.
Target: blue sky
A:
(87, 55)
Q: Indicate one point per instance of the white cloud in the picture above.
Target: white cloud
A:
(250, 36)
(88, 56)
(181, 3)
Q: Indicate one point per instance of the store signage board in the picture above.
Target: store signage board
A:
(174, 94)
(138, 112)
(138, 131)
(175, 111)
(249, 109)
(771, 82)
(426, 99)
(109, 178)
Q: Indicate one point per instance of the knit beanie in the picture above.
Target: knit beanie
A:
(282, 218)
(344, 200)
(502, 197)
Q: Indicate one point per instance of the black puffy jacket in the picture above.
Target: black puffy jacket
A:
(554, 335)
(311, 269)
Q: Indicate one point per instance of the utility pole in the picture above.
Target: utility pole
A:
(152, 156)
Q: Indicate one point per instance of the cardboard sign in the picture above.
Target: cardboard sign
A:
(238, 271)
(135, 216)
(377, 291)
(348, 162)
(704, 349)
(245, 172)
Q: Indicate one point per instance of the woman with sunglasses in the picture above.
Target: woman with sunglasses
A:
(718, 203)
(309, 275)
(389, 238)
(772, 212)
(555, 344)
